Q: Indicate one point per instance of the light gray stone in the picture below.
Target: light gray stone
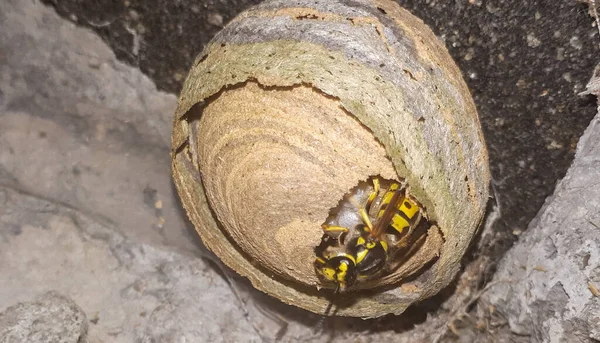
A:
(82, 128)
(131, 292)
(52, 318)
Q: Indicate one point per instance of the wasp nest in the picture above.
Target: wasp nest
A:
(290, 107)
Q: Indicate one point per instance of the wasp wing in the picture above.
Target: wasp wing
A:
(388, 213)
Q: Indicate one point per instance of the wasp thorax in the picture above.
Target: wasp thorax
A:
(274, 126)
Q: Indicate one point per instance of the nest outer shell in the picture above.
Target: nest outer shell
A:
(388, 70)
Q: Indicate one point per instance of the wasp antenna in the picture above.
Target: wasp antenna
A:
(330, 306)
(362, 210)
(321, 323)
(373, 195)
(319, 328)
(328, 309)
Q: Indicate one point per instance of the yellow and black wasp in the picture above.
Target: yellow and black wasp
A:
(369, 247)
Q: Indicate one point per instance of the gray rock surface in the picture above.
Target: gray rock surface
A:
(73, 118)
(52, 318)
(547, 285)
(129, 291)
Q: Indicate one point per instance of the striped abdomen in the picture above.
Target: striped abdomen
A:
(407, 212)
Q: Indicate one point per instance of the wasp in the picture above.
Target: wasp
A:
(347, 256)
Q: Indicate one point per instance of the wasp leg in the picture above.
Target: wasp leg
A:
(407, 238)
(373, 195)
(406, 254)
(333, 229)
(338, 233)
(365, 218)
(364, 211)
(409, 245)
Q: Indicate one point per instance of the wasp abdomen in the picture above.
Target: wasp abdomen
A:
(371, 256)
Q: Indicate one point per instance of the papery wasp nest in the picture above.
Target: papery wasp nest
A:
(313, 136)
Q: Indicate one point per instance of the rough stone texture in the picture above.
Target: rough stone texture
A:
(49, 109)
(51, 318)
(547, 285)
(130, 292)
